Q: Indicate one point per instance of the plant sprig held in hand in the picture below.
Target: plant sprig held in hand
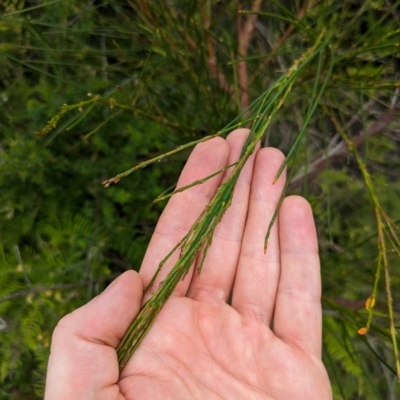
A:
(199, 237)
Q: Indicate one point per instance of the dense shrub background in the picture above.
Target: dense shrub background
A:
(167, 74)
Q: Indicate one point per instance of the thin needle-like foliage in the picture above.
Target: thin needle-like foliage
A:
(112, 87)
(200, 235)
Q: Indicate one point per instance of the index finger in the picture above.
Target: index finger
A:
(183, 209)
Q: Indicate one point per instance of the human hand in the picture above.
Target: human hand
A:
(265, 344)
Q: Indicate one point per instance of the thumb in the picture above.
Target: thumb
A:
(83, 362)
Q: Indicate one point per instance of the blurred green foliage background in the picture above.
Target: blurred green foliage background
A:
(170, 72)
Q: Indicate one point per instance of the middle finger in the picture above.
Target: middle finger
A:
(215, 281)
(258, 273)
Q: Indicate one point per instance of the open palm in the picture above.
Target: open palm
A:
(247, 327)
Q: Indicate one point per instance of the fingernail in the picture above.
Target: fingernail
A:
(111, 284)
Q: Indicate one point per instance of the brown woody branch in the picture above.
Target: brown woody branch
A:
(303, 10)
(212, 64)
(340, 149)
(245, 32)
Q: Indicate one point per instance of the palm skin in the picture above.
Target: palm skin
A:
(213, 352)
(264, 344)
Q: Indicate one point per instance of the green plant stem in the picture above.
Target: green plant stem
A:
(195, 183)
(382, 257)
(200, 235)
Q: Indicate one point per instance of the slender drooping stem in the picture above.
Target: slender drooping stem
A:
(200, 235)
